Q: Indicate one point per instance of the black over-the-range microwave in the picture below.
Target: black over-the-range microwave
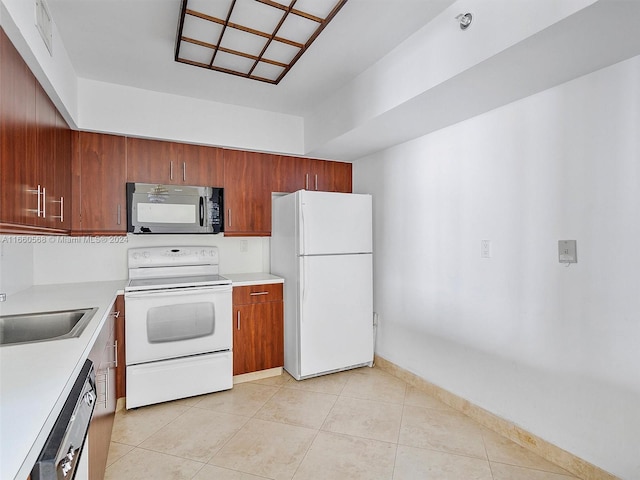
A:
(154, 208)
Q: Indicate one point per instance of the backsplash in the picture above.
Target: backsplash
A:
(52, 260)
(16, 264)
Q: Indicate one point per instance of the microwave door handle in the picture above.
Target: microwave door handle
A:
(201, 211)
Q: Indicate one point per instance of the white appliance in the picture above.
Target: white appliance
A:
(178, 324)
(321, 243)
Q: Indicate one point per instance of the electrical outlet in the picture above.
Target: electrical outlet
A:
(485, 248)
(567, 251)
(244, 246)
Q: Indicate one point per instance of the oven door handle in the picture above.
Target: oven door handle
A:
(176, 292)
(201, 211)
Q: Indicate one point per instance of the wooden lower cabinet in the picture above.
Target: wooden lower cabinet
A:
(103, 356)
(258, 335)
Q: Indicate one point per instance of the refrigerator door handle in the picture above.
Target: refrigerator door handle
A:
(302, 231)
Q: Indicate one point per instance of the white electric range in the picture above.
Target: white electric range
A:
(178, 324)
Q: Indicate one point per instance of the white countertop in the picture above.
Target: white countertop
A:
(259, 278)
(36, 378)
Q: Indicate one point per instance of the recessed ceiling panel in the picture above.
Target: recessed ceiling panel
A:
(195, 53)
(240, 41)
(256, 15)
(213, 8)
(318, 8)
(298, 29)
(268, 71)
(257, 39)
(234, 63)
(281, 52)
(199, 29)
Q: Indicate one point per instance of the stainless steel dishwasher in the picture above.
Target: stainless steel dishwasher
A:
(60, 457)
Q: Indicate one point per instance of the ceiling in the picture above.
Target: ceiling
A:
(132, 43)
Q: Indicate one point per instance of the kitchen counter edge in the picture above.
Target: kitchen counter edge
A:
(257, 278)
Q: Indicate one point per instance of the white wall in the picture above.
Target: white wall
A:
(16, 264)
(106, 107)
(553, 349)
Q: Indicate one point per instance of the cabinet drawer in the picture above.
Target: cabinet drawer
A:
(271, 292)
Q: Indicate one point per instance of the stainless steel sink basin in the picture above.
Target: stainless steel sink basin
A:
(44, 326)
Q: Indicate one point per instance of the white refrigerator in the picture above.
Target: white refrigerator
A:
(321, 244)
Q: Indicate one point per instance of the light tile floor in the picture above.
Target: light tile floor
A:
(361, 424)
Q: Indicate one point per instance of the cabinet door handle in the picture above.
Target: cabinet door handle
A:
(316, 181)
(115, 314)
(184, 171)
(61, 216)
(37, 191)
(306, 182)
(119, 215)
(115, 354)
(44, 202)
(238, 320)
(229, 217)
(171, 170)
(258, 293)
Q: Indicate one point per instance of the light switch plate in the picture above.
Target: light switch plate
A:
(567, 252)
(485, 248)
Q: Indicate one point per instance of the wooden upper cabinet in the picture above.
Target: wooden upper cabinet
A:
(290, 174)
(329, 176)
(17, 136)
(154, 161)
(295, 173)
(203, 165)
(157, 161)
(60, 202)
(42, 176)
(99, 177)
(35, 151)
(247, 193)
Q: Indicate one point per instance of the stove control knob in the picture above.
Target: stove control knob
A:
(146, 254)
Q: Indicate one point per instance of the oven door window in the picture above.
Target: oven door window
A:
(163, 324)
(183, 321)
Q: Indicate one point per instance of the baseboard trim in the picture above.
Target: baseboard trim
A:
(121, 404)
(575, 465)
(259, 375)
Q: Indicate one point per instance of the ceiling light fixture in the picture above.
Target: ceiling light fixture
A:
(256, 39)
(465, 20)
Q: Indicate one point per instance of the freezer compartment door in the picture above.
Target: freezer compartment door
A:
(336, 324)
(334, 223)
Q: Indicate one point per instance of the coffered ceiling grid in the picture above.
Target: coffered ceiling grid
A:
(256, 39)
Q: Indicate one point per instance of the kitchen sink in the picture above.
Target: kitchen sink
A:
(44, 326)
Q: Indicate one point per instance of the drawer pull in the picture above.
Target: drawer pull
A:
(258, 293)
